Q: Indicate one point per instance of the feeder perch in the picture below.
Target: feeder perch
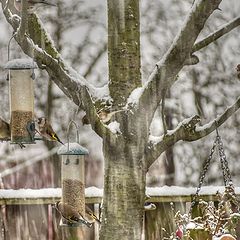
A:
(21, 96)
(73, 178)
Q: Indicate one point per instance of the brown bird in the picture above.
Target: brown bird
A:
(5, 132)
(46, 130)
(33, 5)
(90, 216)
(105, 116)
(70, 213)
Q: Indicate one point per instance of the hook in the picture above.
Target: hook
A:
(216, 127)
(8, 46)
(68, 129)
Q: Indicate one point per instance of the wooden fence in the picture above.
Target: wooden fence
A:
(28, 213)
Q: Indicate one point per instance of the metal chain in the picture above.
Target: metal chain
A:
(203, 174)
(224, 163)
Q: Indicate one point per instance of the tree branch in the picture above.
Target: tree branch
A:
(217, 34)
(69, 81)
(166, 70)
(100, 52)
(187, 131)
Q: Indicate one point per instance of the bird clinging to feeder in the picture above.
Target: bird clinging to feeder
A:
(5, 132)
(70, 214)
(33, 5)
(46, 130)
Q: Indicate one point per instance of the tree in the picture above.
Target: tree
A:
(127, 150)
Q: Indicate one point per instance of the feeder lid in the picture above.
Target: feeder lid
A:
(72, 149)
(20, 63)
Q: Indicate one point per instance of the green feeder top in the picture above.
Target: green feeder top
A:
(72, 149)
(21, 63)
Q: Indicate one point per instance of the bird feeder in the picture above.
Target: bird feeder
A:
(73, 176)
(21, 96)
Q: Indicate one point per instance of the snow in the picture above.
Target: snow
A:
(155, 139)
(30, 193)
(72, 149)
(114, 127)
(25, 63)
(100, 93)
(183, 191)
(97, 192)
(134, 96)
(44, 193)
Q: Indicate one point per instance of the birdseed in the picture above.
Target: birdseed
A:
(74, 194)
(19, 120)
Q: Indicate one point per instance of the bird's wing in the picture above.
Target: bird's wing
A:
(90, 212)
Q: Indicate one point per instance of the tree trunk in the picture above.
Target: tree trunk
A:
(125, 170)
(123, 49)
(124, 190)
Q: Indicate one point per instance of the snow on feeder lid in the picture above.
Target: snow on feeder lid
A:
(73, 176)
(21, 96)
(72, 149)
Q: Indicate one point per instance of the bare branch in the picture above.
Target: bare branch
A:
(166, 70)
(100, 52)
(188, 131)
(217, 34)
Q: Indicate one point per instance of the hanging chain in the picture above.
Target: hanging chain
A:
(203, 174)
(224, 163)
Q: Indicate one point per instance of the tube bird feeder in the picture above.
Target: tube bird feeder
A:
(21, 96)
(73, 176)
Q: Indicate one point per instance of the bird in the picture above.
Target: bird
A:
(106, 116)
(5, 132)
(90, 216)
(46, 130)
(70, 213)
(33, 5)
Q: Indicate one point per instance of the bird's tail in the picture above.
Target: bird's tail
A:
(55, 137)
(84, 221)
(95, 218)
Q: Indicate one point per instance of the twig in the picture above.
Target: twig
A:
(217, 34)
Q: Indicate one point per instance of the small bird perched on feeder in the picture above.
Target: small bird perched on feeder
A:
(46, 130)
(90, 216)
(5, 132)
(33, 5)
(70, 214)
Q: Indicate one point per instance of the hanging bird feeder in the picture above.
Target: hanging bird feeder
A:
(73, 176)
(21, 96)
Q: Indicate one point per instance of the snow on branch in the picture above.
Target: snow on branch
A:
(187, 131)
(217, 34)
(166, 70)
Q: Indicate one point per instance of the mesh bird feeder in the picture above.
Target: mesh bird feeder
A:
(21, 96)
(73, 175)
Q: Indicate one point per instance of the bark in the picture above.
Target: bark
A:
(124, 190)
(123, 49)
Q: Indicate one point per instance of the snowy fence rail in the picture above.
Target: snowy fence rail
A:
(27, 213)
(94, 195)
